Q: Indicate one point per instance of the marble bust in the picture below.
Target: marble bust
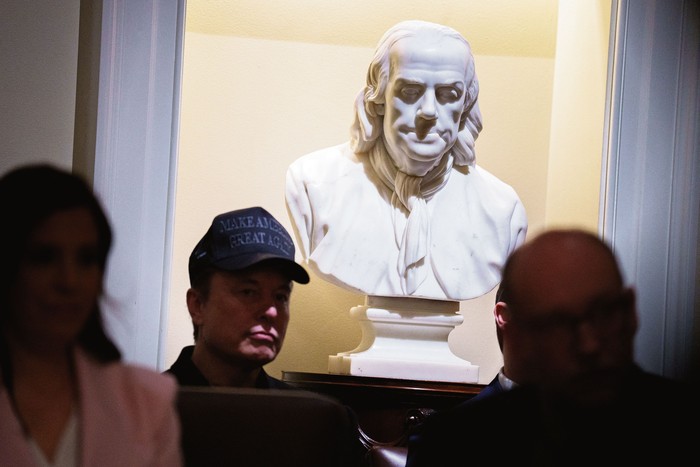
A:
(402, 209)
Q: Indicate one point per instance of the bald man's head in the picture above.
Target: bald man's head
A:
(569, 320)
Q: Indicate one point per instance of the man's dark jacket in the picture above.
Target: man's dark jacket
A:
(187, 374)
(650, 422)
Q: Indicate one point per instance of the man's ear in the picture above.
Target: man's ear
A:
(501, 313)
(194, 306)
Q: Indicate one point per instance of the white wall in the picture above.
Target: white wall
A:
(39, 62)
(578, 108)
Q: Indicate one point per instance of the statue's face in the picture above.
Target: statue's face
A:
(424, 101)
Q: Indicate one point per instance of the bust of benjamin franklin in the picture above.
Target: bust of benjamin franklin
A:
(402, 208)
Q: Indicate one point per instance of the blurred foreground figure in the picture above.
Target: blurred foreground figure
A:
(582, 400)
(65, 398)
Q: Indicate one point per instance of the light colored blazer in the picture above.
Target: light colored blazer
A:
(127, 418)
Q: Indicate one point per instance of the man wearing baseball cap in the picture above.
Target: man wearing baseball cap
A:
(241, 275)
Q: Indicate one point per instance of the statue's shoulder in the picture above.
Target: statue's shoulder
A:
(333, 159)
(487, 179)
(329, 153)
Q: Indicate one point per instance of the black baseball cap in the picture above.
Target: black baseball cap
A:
(242, 238)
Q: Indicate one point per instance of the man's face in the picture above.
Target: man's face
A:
(573, 321)
(244, 320)
(424, 101)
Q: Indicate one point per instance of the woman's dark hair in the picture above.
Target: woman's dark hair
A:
(28, 196)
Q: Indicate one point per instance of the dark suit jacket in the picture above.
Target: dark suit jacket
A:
(493, 388)
(187, 374)
(511, 428)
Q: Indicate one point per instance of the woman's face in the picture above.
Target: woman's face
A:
(59, 280)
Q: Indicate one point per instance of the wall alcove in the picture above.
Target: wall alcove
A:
(146, 164)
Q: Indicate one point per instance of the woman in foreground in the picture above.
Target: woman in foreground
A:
(66, 399)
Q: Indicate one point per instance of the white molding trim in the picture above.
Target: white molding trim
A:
(135, 165)
(650, 210)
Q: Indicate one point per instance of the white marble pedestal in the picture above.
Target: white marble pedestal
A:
(405, 338)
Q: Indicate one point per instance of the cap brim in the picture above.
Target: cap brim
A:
(290, 268)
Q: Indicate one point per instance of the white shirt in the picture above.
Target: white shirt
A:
(67, 450)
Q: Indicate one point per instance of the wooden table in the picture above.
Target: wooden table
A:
(387, 409)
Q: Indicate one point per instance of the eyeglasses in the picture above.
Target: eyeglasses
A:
(602, 314)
